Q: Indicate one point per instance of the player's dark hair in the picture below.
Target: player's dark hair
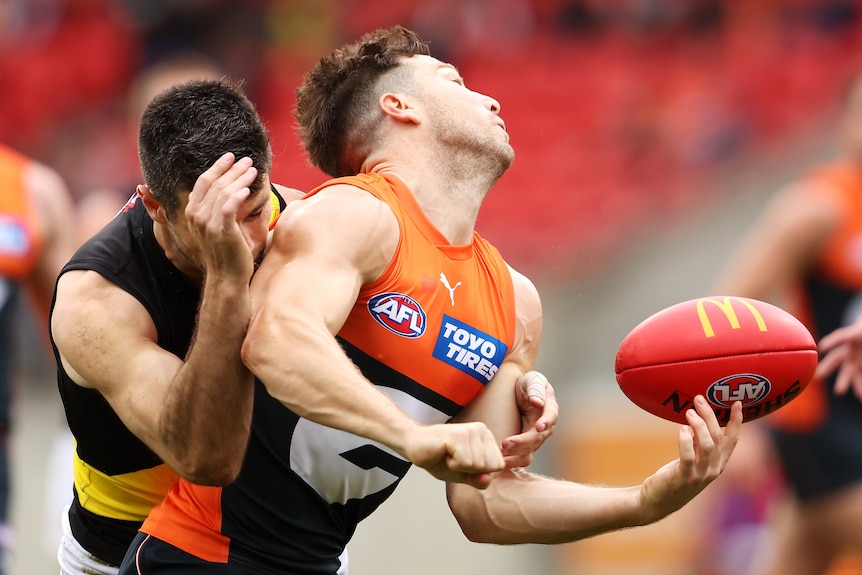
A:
(336, 107)
(187, 127)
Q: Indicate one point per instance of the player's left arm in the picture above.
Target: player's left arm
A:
(58, 220)
(523, 507)
(528, 408)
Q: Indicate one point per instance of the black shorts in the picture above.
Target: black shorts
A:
(826, 460)
(149, 555)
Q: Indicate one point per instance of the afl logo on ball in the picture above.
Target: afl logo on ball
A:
(399, 313)
(749, 388)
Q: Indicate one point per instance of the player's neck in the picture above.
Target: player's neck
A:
(451, 205)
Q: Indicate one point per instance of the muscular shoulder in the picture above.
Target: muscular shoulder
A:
(92, 318)
(289, 194)
(340, 222)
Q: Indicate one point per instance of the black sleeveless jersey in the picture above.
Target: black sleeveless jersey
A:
(118, 478)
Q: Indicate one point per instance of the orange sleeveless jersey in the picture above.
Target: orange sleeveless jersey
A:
(838, 266)
(431, 332)
(20, 233)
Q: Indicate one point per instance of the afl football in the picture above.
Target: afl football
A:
(725, 348)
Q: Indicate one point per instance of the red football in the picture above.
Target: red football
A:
(724, 348)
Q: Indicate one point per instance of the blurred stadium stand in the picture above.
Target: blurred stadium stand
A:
(626, 117)
(618, 111)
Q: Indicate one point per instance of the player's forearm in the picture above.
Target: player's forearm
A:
(206, 418)
(521, 507)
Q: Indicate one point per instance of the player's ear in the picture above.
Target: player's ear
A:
(399, 107)
(154, 207)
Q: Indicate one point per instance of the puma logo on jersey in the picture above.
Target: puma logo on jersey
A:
(468, 349)
(399, 313)
(445, 281)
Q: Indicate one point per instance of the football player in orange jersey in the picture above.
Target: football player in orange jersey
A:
(37, 235)
(803, 252)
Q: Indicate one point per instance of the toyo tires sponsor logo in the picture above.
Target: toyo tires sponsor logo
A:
(469, 349)
(399, 313)
(749, 388)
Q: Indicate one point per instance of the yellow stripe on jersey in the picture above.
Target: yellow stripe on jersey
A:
(128, 497)
(275, 202)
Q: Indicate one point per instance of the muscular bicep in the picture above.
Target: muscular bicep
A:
(108, 342)
(323, 250)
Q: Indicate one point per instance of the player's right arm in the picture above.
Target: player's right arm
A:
(107, 342)
(324, 249)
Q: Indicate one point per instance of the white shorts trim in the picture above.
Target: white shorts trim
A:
(74, 559)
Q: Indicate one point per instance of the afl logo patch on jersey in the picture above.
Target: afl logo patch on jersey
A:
(468, 349)
(399, 313)
(749, 388)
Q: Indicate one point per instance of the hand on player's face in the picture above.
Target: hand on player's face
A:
(211, 213)
(539, 412)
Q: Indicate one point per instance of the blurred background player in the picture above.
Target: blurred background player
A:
(804, 252)
(37, 236)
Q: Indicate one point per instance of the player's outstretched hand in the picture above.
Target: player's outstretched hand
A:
(211, 213)
(843, 352)
(539, 412)
(456, 452)
(704, 450)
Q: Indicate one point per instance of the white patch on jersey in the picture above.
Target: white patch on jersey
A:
(315, 454)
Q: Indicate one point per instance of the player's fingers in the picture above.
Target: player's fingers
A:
(843, 380)
(831, 361)
(206, 180)
(523, 445)
(704, 434)
(550, 412)
(477, 480)
(734, 426)
(473, 449)
(213, 195)
(534, 385)
(731, 435)
(687, 455)
(837, 337)
(708, 416)
(231, 204)
(518, 461)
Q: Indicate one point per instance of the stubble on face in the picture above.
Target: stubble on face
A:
(187, 253)
(472, 138)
